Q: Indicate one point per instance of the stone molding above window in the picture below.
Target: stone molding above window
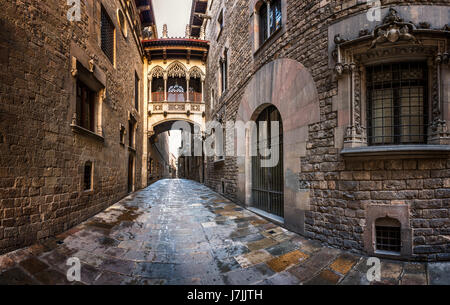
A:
(394, 40)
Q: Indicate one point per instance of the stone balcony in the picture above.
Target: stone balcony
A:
(161, 112)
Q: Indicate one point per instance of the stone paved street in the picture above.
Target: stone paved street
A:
(180, 232)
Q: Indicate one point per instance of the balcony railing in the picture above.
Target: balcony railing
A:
(157, 96)
(176, 97)
(195, 97)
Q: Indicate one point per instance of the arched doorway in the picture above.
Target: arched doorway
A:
(287, 85)
(268, 182)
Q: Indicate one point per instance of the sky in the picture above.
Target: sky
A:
(174, 142)
(174, 13)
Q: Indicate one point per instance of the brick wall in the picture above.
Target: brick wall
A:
(340, 188)
(41, 158)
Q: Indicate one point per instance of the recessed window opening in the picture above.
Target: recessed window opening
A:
(88, 174)
(107, 35)
(397, 103)
(388, 235)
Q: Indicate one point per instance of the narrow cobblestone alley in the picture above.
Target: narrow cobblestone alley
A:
(180, 232)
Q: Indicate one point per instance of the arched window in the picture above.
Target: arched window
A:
(224, 71)
(263, 27)
(388, 234)
(88, 174)
(270, 18)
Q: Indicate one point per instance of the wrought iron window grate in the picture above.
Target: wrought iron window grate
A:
(268, 182)
(107, 35)
(397, 103)
(388, 238)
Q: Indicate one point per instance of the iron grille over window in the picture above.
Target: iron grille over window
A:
(388, 238)
(397, 103)
(107, 35)
(269, 19)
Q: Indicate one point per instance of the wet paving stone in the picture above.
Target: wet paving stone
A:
(16, 276)
(439, 273)
(247, 276)
(52, 277)
(180, 232)
(287, 260)
(326, 277)
(282, 248)
(33, 265)
(344, 263)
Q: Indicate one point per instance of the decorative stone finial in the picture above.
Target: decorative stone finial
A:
(165, 33)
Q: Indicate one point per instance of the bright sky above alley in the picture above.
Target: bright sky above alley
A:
(174, 13)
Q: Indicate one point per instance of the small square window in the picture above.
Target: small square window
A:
(388, 238)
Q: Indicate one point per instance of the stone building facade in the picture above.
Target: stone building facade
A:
(175, 81)
(160, 160)
(71, 113)
(363, 96)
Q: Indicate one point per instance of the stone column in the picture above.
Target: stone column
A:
(202, 79)
(187, 87)
(165, 87)
(150, 93)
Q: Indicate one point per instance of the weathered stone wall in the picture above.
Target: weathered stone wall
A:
(340, 189)
(41, 158)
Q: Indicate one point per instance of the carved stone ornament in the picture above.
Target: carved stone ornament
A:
(351, 55)
(393, 29)
(195, 72)
(176, 70)
(157, 72)
(74, 70)
(91, 66)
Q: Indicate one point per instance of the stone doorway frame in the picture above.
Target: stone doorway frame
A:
(289, 86)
